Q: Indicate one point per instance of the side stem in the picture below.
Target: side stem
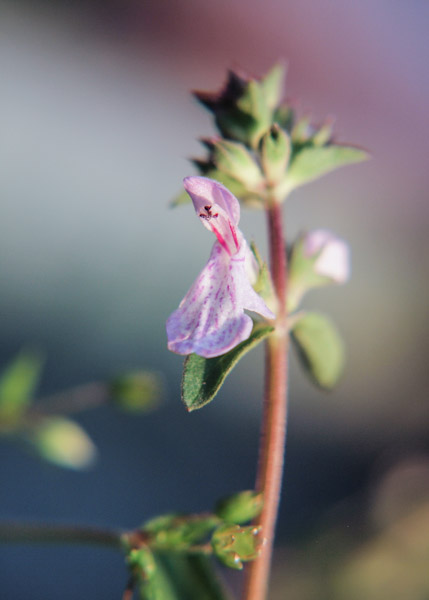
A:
(273, 433)
(20, 533)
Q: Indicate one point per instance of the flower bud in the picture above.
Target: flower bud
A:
(317, 259)
(333, 260)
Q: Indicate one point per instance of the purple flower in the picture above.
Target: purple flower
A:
(210, 319)
(333, 260)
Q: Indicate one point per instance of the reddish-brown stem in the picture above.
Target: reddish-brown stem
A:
(23, 533)
(273, 435)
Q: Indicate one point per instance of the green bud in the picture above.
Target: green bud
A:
(240, 508)
(324, 134)
(272, 85)
(137, 391)
(179, 531)
(234, 545)
(319, 347)
(275, 154)
(284, 116)
(301, 131)
(253, 103)
(64, 443)
(236, 161)
(18, 383)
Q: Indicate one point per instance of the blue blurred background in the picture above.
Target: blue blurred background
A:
(97, 124)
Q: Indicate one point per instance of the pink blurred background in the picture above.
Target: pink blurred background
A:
(97, 125)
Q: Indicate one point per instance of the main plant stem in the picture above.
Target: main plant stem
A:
(273, 434)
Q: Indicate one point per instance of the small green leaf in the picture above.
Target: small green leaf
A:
(203, 377)
(179, 531)
(319, 347)
(182, 198)
(301, 131)
(235, 160)
(253, 104)
(273, 84)
(240, 508)
(191, 577)
(64, 443)
(263, 285)
(312, 162)
(275, 153)
(18, 383)
(152, 579)
(324, 134)
(137, 391)
(234, 545)
(284, 116)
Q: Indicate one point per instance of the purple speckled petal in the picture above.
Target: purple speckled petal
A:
(210, 320)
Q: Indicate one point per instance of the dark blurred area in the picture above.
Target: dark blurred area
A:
(97, 126)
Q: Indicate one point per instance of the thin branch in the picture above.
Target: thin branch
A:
(23, 533)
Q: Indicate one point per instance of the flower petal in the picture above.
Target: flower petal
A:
(210, 320)
(217, 208)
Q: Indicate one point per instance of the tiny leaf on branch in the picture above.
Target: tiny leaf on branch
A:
(314, 161)
(272, 85)
(319, 347)
(240, 508)
(203, 377)
(18, 383)
(190, 577)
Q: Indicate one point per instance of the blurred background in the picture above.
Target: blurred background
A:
(97, 125)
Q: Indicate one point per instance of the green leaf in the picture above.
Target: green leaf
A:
(152, 578)
(275, 153)
(263, 285)
(235, 160)
(253, 104)
(301, 131)
(182, 198)
(234, 545)
(64, 443)
(18, 383)
(273, 84)
(137, 391)
(324, 134)
(179, 531)
(312, 162)
(284, 116)
(192, 577)
(319, 347)
(240, 508)
(203, 377)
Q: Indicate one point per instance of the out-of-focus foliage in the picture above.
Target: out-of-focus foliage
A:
(53, 437)
(319, 348)
(18, 383)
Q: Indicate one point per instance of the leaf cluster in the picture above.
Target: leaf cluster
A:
(264, 147)
(170, 559)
